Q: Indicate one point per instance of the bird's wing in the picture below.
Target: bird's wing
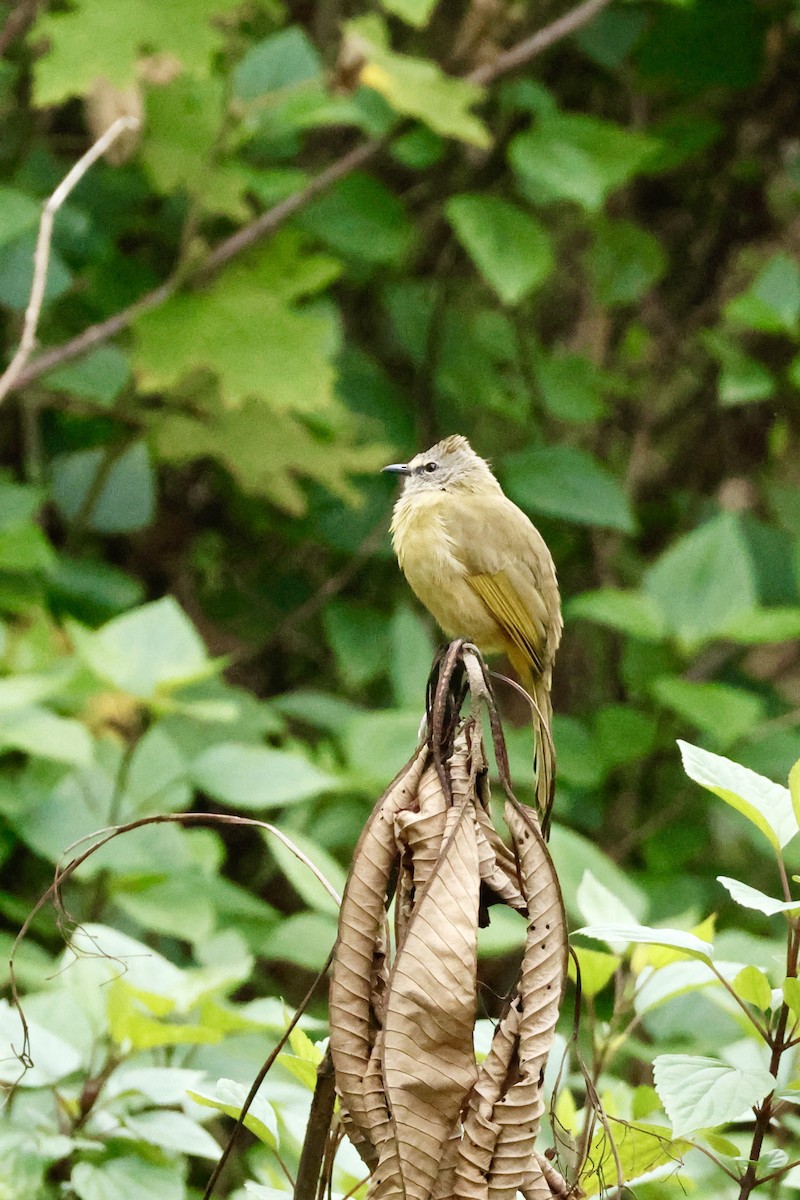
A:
(509, 566)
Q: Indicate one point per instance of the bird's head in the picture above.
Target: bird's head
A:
(451, 463)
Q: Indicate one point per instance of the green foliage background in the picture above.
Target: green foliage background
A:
(590, 267)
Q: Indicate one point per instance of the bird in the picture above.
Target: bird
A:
(483, 571)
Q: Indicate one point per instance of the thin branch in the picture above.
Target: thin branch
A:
(510, 60)
(41, 258)
(317, 1129)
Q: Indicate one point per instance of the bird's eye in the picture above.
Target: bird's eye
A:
(430, 467)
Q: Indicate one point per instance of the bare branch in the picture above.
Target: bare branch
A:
(510, 60)
(41, 258)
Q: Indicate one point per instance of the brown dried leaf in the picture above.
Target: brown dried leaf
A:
(480, 1131)
(359, 952)
(429, 1064)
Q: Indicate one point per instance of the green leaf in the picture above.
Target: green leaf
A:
(624, 262)
(176, 906)
(412, 651)
(126, 497)
(181, 145)
(750, 897)
(377, 744)
(742, 379)
(302, 879)
(568, 483)
(596, 969)
(40, 732)
(638, 1149)
(633, 613)
(772, 302)
(108, 37)
(616, 934)
(764, 625)
(156, 778)
(766, 804)
(272, 349)
(128, 1178)
(228, 1097)
(99, 375)
(622, 734)
(794, 789)
(149, 651)
(704, 580)
(19, 503)
(573, 156)
(413, 12)
(510, 248)
(725, 712)
(16, 273)
(576, 752)
(704, 1093)
(362, 219)
(752, 986)
(359, 638)
(304, 939)
(573, 855)
(19, 213)
(570, 387)
(258, 777)
(52, 1058)
(275, 64)
(791, 995)
(417, 87)
(172, 1131)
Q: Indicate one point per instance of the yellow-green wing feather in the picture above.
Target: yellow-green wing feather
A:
(503, 601)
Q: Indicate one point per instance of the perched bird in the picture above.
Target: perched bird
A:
(483, 571)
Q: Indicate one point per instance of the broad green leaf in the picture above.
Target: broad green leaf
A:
(413, 12)
(794, 789)
(19, 503)
(300, 875)
(16, 273)
(412, 651)
(772, 302)
(275, 64)
(359, 638)
(304, 939)
(510, 248)
(52, 1057)
(577, 157)
(573, 855)
(417, 87)
(268, 452)
(129, 1178)
(598, 905)
(175, 905)
(704, 580)
(742, 379)
(180, 150)
(258, 777)
(764, 625)
(704, 1093)
(791, 994)
(766, 804)
(146, 652)
(360, 218)
(725, 712)
(634, 613)
(622, 734)
(108, 37)
(25, 549)
(125, 501)
(570, 386)
(99, 375)
(596, 969)
(752, 986)
(656, 985)
(19, 213)
(625, 934)
(228, 1097)
(23, 691)
(624, 262)
(377, 744)
(172, 1131)
(156, 778)
(750, 897)
(568, 483)
(638, 1149)
(576, 753)
(272, 350)
(40, 732)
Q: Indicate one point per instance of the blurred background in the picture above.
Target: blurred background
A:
(589, 266)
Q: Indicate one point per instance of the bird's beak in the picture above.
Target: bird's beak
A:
(396, 469)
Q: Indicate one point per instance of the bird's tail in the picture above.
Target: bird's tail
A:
(544, 756)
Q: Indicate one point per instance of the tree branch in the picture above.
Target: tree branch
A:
(510, 60)
(41, 259)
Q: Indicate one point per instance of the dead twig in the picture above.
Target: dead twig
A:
(41, 259)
